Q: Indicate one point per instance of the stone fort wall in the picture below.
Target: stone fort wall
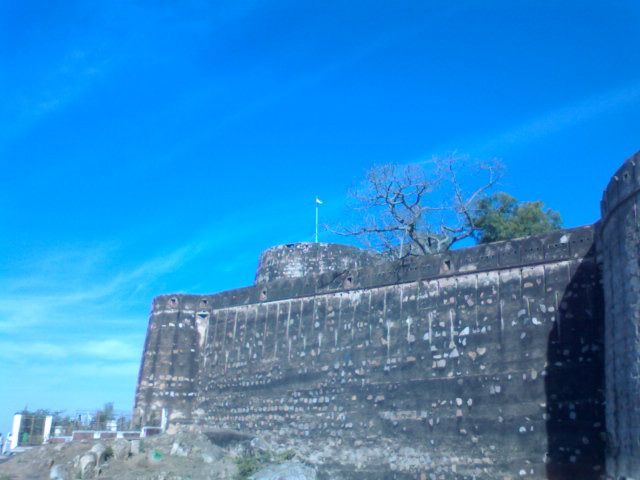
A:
(620, 242)
(486, 362)
(443, 364)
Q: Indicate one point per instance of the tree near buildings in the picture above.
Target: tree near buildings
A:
(104, 415)
(422, 209)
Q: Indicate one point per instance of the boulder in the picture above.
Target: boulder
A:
(258, 445)
(86, 465)
(135, 447)
(100, 451)
(179, 449)
(285, 471)
(121, 449)
(206, 458)
(57, 472)
(211, 453)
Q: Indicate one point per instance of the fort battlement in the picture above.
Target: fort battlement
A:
(484, 362)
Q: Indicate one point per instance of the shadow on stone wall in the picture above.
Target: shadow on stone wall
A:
(574, 382)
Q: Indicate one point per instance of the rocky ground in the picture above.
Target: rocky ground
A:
(219, 455)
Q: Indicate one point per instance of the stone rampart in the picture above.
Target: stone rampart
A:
(482, 362)
(620, 243)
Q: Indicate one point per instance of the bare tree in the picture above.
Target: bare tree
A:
(420, 209)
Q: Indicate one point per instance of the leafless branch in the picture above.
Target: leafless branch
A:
(413, 210)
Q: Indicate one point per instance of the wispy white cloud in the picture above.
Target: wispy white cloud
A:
(66, 286)
(86, 283)
(56, 83)
(539, 127)
(111, 349)
(12, 350)
(71, 77)
(562, 118)
(105, 369)
(48, 374)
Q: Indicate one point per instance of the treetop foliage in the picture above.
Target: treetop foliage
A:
(501, 217)
(426, 208)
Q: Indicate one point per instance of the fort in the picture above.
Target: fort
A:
(518, 359)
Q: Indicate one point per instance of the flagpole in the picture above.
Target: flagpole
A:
(318, 203)
(317, 208)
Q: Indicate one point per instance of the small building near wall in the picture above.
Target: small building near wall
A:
(29, 430)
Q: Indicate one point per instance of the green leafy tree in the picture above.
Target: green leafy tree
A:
(502, 217)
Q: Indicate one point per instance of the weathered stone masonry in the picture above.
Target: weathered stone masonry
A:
(621, 260)
(485, 362)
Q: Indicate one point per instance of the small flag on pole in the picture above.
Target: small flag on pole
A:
(318, 203)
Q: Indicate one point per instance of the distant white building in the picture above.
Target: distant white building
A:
(29, 430)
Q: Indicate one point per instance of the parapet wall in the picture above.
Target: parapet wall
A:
(297, 260)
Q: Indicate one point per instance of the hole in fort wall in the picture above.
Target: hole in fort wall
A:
(263, 295)
(348, 282)
(173, 302)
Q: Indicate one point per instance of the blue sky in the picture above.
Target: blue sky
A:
(151, 146)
